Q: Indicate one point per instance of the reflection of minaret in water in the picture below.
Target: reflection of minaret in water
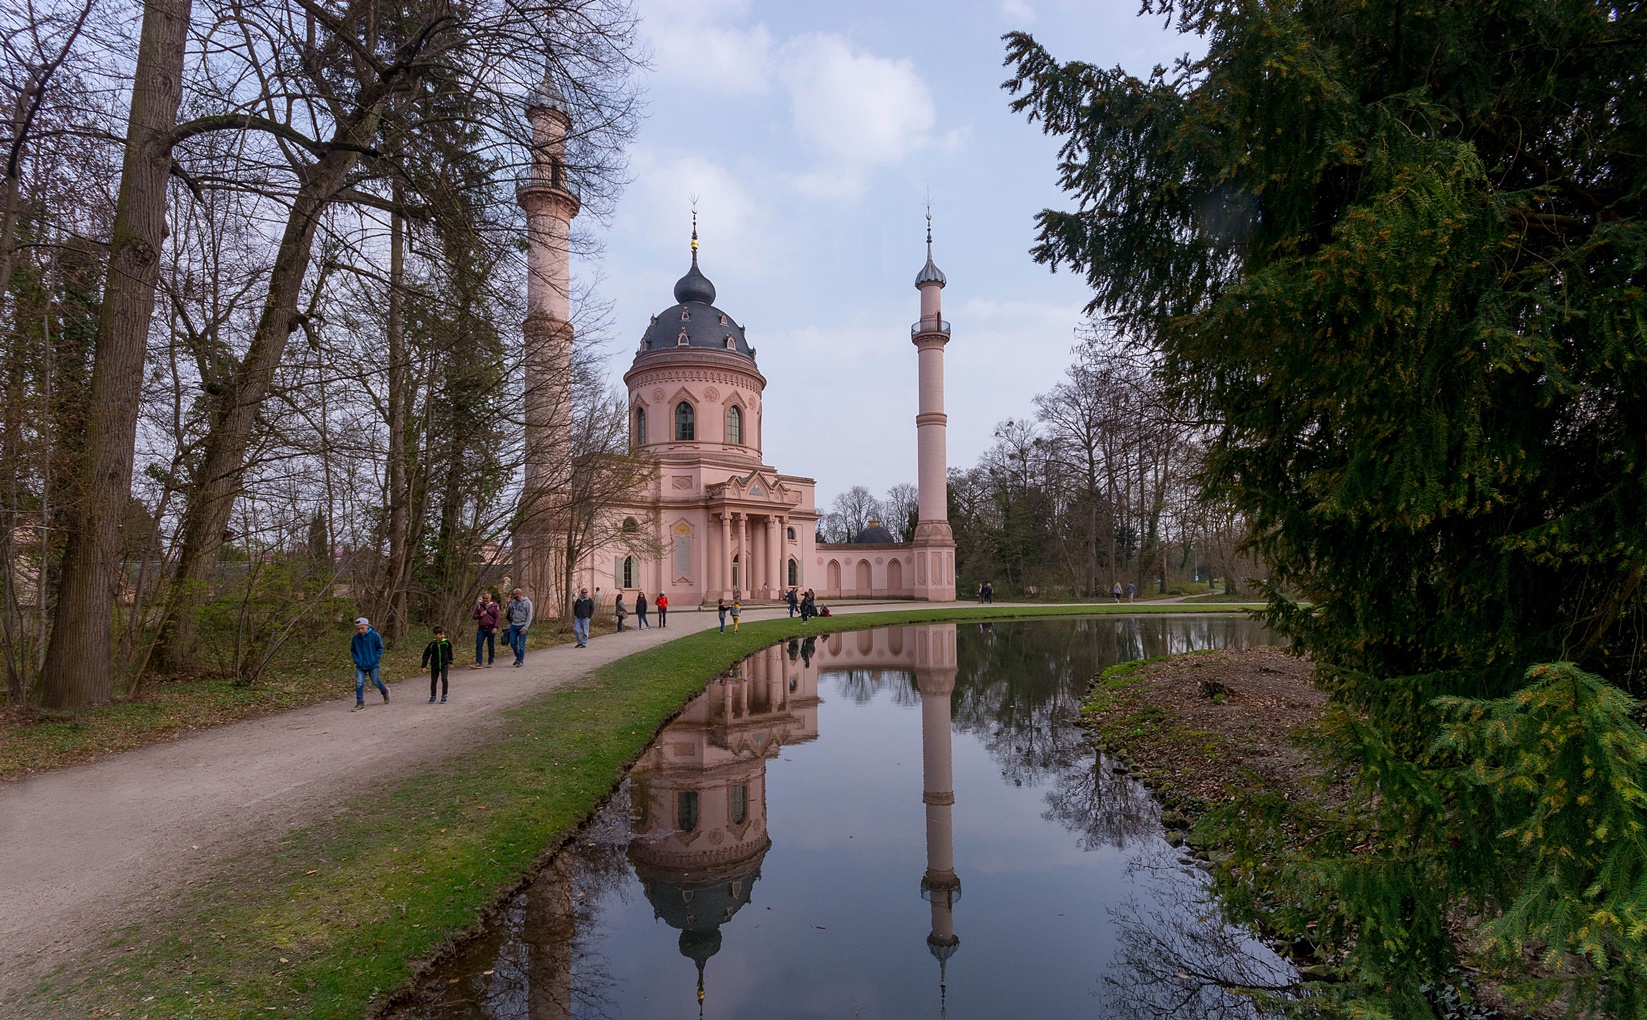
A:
(935, 671)
(700, 797)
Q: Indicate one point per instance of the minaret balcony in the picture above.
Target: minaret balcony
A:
(558, 183)
(929, 326)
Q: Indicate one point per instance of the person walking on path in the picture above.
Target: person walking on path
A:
(737, 610)
(662, 606)
(583, 610)
(989, 593)
(620, 611)
(721, 609)
(794, 602)
(1132, 591)
(640, 611)
(486, 615)
(1116, 591)
(437, 655)
(366, 648)
(519, 616)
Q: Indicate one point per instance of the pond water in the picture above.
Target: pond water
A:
(885, 824)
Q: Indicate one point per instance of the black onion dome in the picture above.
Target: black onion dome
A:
(874, 534)
(694, 322)
(694, 286)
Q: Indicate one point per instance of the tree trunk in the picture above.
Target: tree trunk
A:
(78, 670)
(223, 464)
(399, 557)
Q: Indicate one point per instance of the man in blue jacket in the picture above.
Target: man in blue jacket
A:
(367, 650)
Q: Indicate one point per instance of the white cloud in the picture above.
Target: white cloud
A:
(855, 109)
(699, 42)
(857, 106)
(1017, 10)
(659, 208)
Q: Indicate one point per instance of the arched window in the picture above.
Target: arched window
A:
(792, 534)
(794, 569)
(740, 804)
(686, 810)
(630, 525)
(686, 426)
(639, 438)
(734, 426)
(628, 578)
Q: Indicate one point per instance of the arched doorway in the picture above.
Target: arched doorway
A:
(794, 571)
(832, 577)
(894, 577)
(737, 572)
(865, 583)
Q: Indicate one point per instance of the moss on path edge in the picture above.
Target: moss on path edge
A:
(337, 917)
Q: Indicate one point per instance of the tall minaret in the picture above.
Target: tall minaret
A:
(934, 542)
(935, 671)
(550, 205)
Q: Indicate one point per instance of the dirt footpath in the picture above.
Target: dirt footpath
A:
(85, 850)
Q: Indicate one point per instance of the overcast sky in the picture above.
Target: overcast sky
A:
(811, 134)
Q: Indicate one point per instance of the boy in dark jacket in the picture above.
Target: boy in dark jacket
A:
(366, 648)
(437, 655)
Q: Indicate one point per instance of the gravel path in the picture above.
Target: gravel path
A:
(85, 850)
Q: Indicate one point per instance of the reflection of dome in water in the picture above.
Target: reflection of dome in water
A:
(697, 909)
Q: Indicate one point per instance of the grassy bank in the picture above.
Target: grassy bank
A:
(330, 921)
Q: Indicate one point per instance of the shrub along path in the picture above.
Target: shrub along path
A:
(301, 860)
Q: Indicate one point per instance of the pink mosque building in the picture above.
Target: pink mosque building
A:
(718, 522)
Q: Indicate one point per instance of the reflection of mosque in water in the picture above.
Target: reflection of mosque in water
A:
(699, 792)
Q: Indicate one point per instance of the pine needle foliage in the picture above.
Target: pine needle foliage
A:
(1394, 254)
(1566, 769)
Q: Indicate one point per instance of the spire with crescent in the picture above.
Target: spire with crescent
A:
(930, 273)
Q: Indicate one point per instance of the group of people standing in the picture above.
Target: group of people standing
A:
(620, 612)
(805, 603)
